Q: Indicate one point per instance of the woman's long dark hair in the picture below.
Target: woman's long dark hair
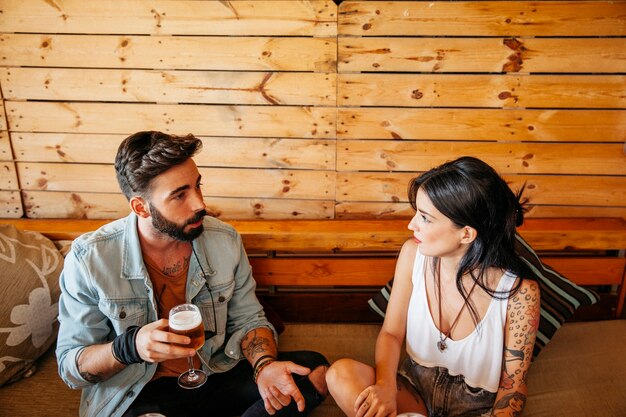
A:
(471, 193)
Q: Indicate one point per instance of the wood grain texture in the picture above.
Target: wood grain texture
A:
(397, 210)
(369, 235)
(233, 152)
(222, 182)
(476, 55)
(565, 190)
(8, 179)
(92, 205)
(10, 205)
(312, 110)
(210, 120)
(3, 119)
(505, 157)
(376, 271)
(172, 17)
(169, 52)
(482, 124)
(477, 90)
(484, 18)
(6, 154)
(209, 87)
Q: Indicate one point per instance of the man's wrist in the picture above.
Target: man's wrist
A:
(124, 347)
(260, 365)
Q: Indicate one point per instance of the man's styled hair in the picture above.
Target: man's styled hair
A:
(143, 156)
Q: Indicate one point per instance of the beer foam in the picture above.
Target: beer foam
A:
(185, 320)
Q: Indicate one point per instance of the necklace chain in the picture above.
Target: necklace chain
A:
(441, 344)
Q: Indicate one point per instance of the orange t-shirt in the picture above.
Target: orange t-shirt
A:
(169, 291)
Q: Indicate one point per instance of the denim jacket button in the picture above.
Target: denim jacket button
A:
(221, 299)
(123, 315)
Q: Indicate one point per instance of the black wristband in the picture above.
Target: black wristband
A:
(260, 359)
(125, 347)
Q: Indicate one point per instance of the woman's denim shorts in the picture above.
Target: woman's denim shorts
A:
(445, 395)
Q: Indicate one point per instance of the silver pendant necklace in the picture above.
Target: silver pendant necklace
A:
(443, 336)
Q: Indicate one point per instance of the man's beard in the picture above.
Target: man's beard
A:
(173, 230)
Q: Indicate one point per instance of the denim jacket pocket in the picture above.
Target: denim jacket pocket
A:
(216, 298)
(125, 313)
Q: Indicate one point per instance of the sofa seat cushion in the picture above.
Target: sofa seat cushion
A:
(42, 394)
(581, 372)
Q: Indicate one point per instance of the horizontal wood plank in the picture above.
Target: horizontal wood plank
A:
(319, 272)
(169, 52)
(375, 235)
(572, 190)
(210, 120)
(10, 205)
(390, 210)
(574, 234)
(589, 270)
(346, 272)
(482, 124)
(369, 235)
(476, 90)
(505, 157)
(233, 152)
(295, 184)
(86, 205)
(482, 18)
(160, 17)
(209, 87)
(66, 147)
(476, 55)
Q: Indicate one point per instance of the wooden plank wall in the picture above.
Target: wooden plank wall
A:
(312, 110)
(255, 79)
(537, 89)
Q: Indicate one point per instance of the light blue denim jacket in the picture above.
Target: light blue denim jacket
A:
(106, 288)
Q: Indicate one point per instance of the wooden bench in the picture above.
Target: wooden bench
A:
(325, 270)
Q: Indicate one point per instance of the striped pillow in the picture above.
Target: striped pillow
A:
(559, 296)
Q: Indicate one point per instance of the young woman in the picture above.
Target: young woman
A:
(458, 302)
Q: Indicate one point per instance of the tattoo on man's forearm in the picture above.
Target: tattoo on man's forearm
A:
(253, 344)
(89, 377)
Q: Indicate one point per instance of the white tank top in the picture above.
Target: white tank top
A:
(478, 357)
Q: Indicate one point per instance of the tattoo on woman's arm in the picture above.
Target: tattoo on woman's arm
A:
(514, 401)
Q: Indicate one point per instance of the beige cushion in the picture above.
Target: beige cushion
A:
(30, 265)
(581, 373)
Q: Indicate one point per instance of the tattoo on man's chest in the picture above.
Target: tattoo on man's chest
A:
(176, 267)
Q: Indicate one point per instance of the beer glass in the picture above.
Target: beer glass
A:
(185, 319)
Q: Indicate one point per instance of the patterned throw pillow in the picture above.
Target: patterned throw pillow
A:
(30, 266)
(560, 297)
